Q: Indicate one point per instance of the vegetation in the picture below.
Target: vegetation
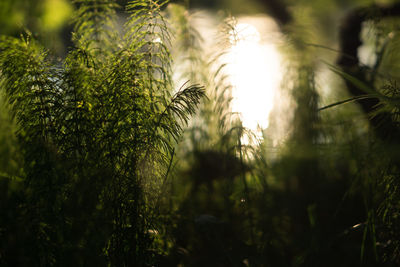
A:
(106, 160)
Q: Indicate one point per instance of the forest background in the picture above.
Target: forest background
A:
(119, 145)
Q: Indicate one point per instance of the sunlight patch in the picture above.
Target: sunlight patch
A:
(254, 69)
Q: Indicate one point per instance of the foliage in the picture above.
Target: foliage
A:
(95, 134)
(97, 167)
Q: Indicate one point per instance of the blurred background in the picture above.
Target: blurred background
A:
(288, 162)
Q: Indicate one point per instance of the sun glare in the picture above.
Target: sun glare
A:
(254, 68)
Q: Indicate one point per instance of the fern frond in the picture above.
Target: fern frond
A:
(30, 84)
(94, 24)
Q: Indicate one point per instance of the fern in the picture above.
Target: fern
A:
(97, 131)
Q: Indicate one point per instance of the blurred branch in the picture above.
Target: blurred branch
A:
(348, 61)
(349, 42)
(278, 10)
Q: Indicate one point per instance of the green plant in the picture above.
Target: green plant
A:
(96, 133)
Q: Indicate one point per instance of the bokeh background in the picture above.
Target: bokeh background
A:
(290, 160)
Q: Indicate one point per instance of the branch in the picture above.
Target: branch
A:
(348, 61)
(278, 10)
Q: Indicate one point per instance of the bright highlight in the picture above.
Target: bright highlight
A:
(254, 68)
